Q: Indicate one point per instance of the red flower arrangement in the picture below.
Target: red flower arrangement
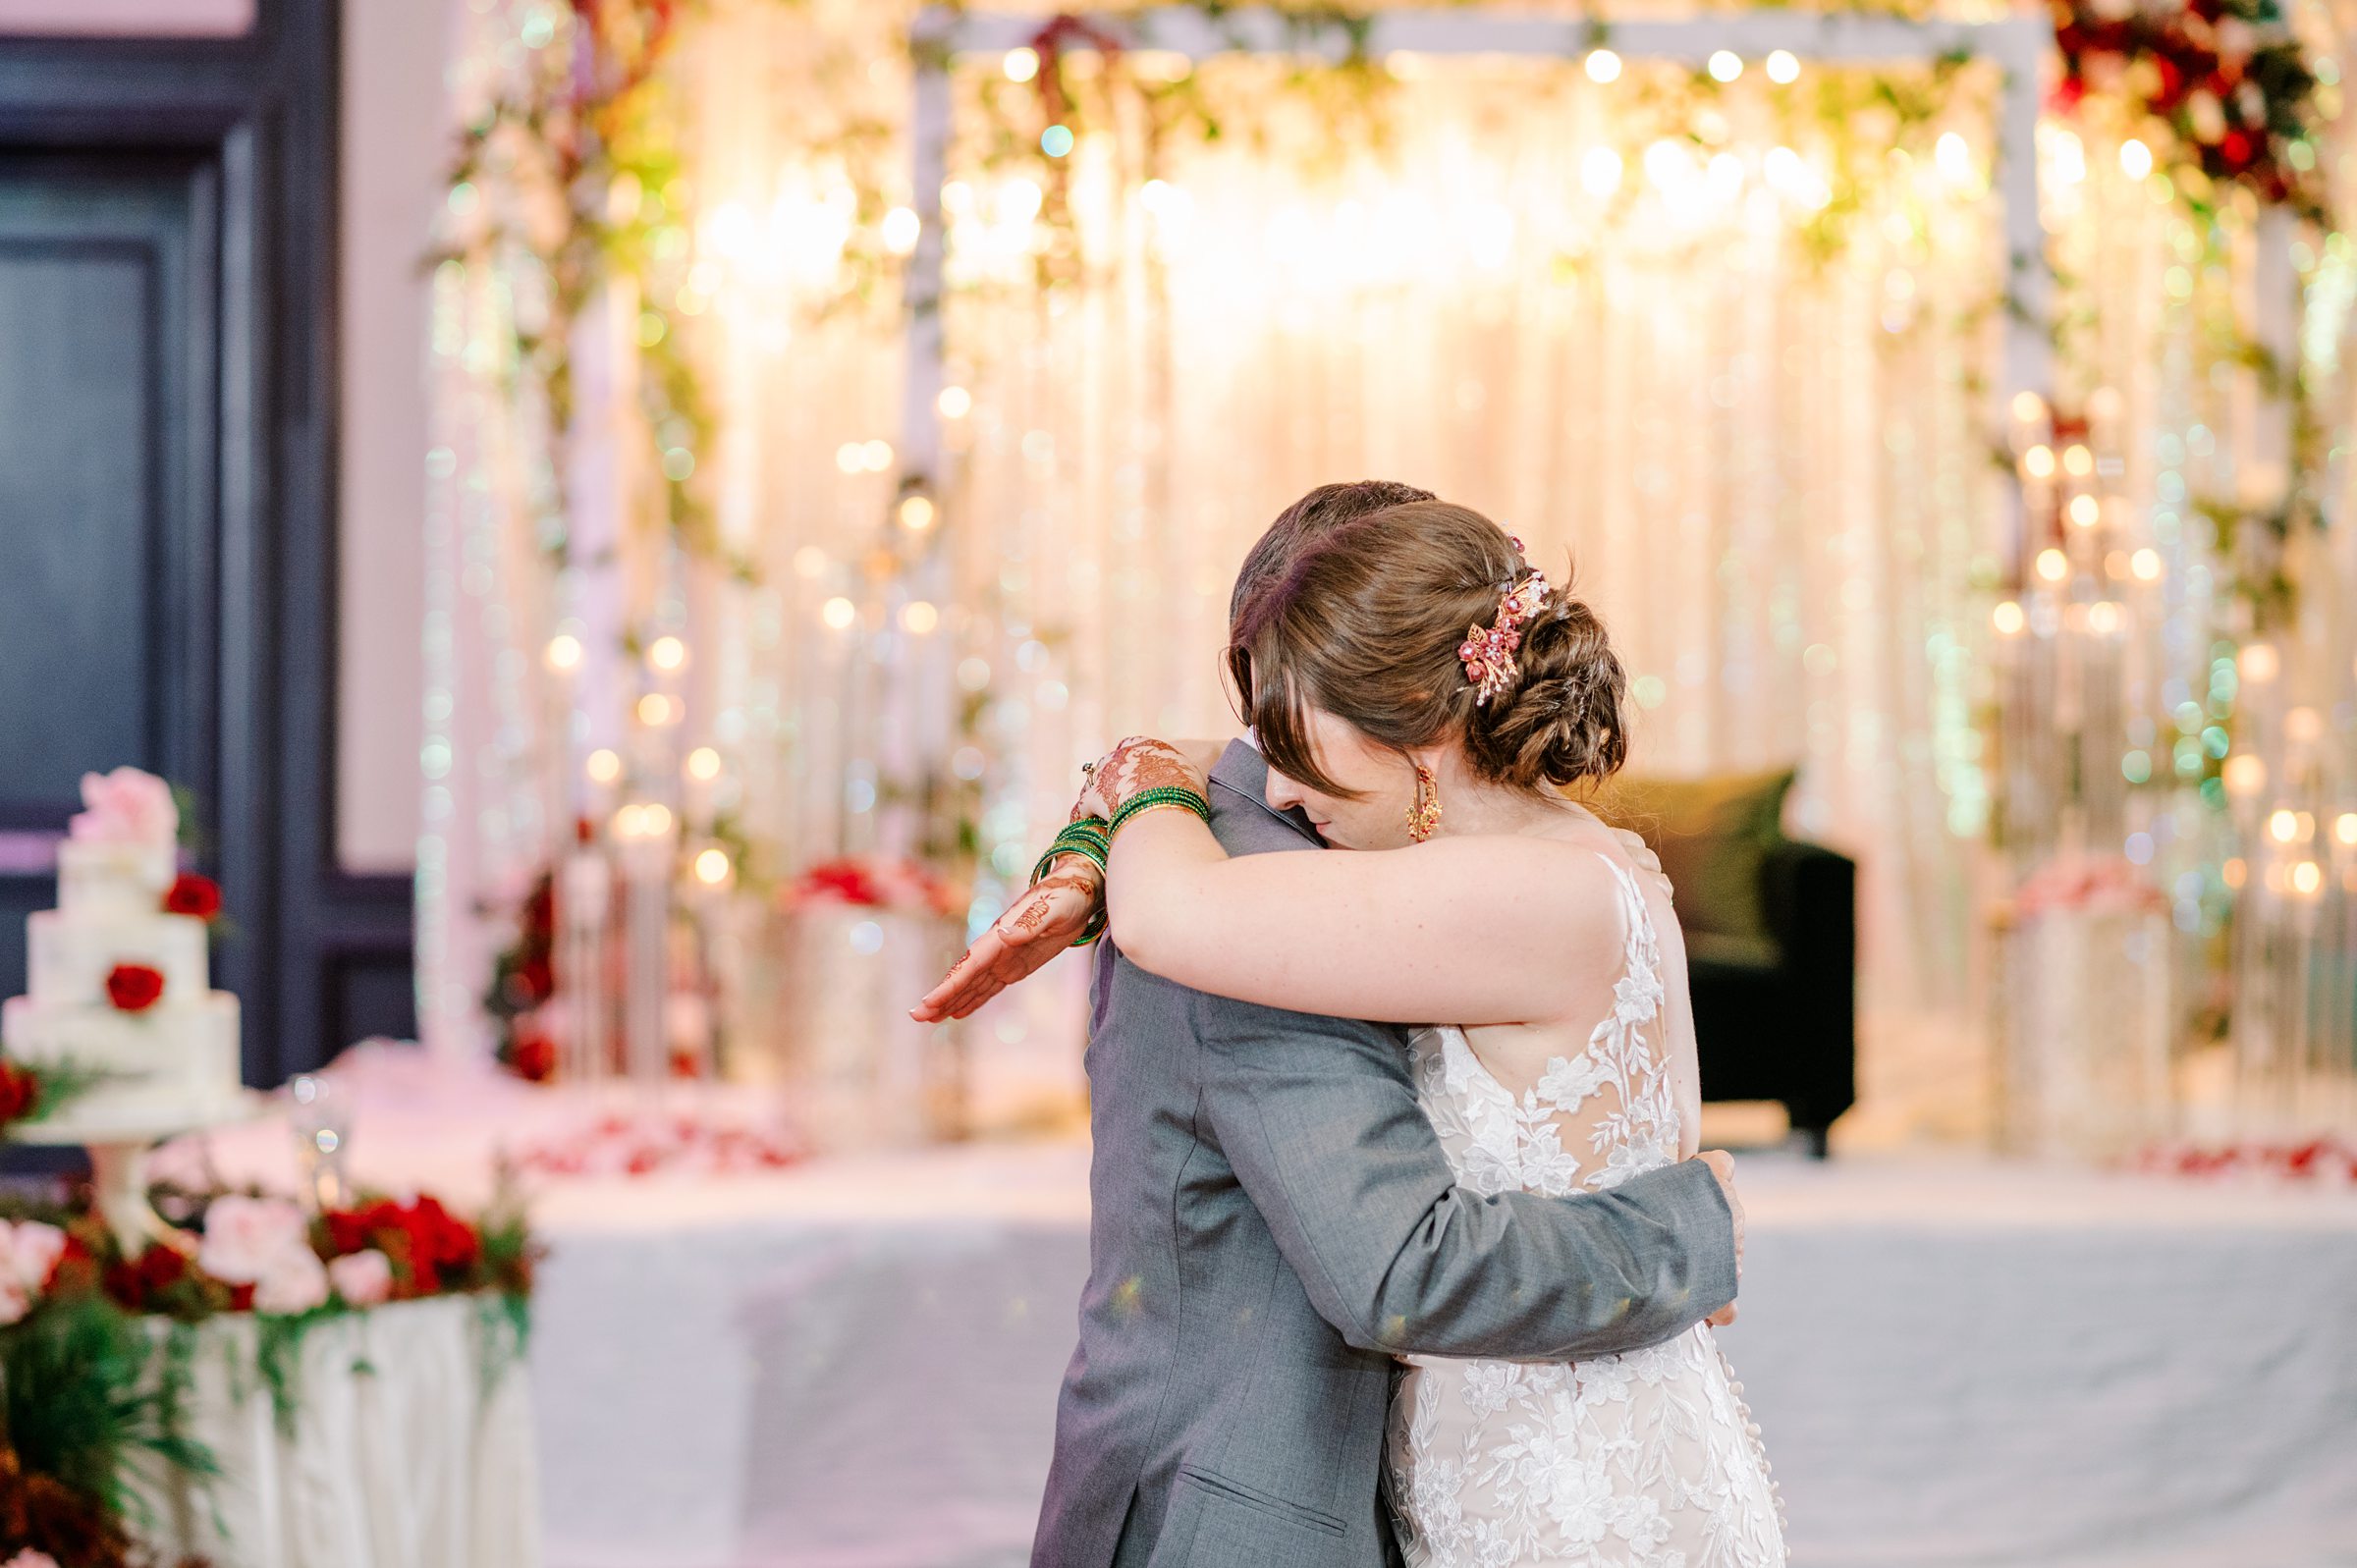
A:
(135, 987)
(193, 895)
(431, 1250)
(2228, 77)
(875, 884)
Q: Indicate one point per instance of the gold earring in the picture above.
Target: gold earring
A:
(1425, 815)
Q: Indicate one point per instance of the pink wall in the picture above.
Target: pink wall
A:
(183, 18)
(395, 54)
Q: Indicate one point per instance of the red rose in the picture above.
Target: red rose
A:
(135, 987)
(534, 1058)
(536, 979)
(19, 1092)
(161, 1267)
(193, 895)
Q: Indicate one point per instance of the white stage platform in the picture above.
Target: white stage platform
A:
(853, 1364)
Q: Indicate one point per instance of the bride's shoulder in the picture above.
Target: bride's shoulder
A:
(1566, 885)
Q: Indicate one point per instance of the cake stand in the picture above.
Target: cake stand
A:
(119, 1149)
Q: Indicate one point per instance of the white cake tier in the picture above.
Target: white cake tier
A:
(68, 953)
(100, 878)
(177, 1062)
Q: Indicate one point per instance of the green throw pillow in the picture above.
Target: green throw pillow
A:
(1713, 836)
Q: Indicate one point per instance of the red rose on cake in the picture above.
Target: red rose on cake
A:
(135, 987)
(19, 1092)
(193, 895)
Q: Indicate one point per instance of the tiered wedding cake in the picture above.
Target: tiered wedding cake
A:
(120, 985)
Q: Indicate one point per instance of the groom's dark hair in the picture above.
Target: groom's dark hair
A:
(1314, 516)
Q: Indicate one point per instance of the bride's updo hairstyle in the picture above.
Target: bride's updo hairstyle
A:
(1366, 624)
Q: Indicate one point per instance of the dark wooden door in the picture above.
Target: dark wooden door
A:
(167, 475)
(108, 557)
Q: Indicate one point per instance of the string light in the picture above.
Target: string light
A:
(602, 766)
(712, 867)
(2344, 828)
(2039, 462)
(2053, 564)
(919, 617)
(2244, 774)
(1784, 66)
(1603, 66)
(916, 514)
(564, 652)
(703, 765)
(839, 613)
(2102, 618)
(2145, 564)
(2135, 159)
(955, 403)
(1021, 65)
(2008, 619)
(2086, 512)
(2257, 664)
(667, 653)
(2077, 460)
(2307, 878)
(1726, 65)
(2029, 409)
(655, 709)
(902, 227)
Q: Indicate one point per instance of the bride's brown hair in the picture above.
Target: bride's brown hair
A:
(1366, 623)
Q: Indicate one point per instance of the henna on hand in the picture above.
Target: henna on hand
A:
(1141, 763)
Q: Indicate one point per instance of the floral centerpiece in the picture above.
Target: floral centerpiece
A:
(94, 1353)
(858, 936)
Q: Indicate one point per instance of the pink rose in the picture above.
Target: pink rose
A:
(29, 1558)
(29, 1250)
(126, 806)
(245, 1237)
(362, 1278)
(293, 1281)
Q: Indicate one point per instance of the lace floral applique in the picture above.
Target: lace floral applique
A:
(1644, 1460)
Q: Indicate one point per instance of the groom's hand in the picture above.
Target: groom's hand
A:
(1040, 924)
(1722, 1166)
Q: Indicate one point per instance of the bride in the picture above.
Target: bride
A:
(1421, 692)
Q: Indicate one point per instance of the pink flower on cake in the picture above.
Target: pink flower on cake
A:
(245, 1238)
(29, 1254)
(126, 806)
(293, 1281)
(362, 1278)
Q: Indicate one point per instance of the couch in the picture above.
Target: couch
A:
(1771, 932)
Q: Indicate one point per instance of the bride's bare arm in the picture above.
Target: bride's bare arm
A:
(1475, 931)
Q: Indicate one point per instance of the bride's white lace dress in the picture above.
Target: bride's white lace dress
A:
(1643, 1460)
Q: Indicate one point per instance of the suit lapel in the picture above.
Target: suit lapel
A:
(1243, 773)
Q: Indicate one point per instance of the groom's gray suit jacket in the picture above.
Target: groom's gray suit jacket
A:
(1274, 1222)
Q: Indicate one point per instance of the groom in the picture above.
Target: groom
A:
(1274, 1222)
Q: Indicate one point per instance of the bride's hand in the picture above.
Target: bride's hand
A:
(1040, 924)
(1138, 764)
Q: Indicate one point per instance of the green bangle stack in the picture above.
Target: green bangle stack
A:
(1091, 839)
(1157, 800)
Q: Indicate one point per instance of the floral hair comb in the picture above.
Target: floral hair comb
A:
(1488, 652)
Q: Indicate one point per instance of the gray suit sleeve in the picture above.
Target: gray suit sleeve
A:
(1319, 1120)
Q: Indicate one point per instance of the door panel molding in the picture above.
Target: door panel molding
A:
(254, 121)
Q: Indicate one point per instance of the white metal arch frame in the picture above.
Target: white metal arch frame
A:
(2020, 45)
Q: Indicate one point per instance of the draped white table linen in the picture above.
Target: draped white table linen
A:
(410, 1446)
